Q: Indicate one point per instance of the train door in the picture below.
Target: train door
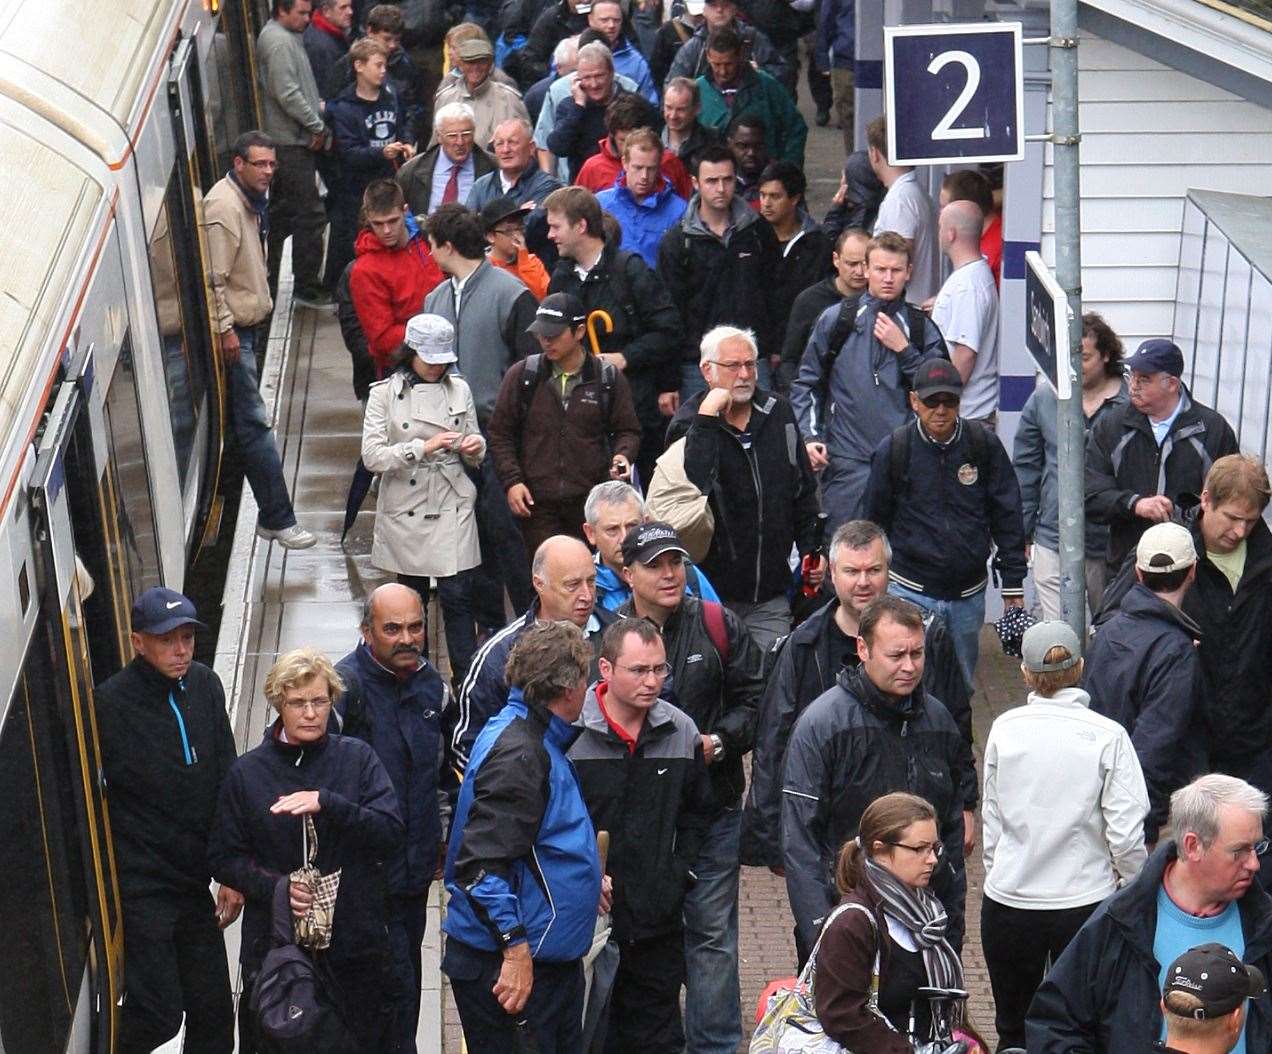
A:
(68, 460)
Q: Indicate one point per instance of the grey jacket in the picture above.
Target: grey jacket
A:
(863, 399)
(290, 93)
(1034, 456)
(490, 329)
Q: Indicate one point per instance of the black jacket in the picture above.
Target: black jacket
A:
(402, 721)
(763, 497)
(416, 176)
(851, 746)
(161, 804)
(358, 825)
(946, 512)
(721, 697)
(323, 50)
(579, 130)
(1124, 464)
(802, 264)
(549, 29)
(805, 311)
(1102, 995)
(656, 803)
(699, 138)
(800, 671)
(646, 324)
(1143, 671)
(715, 282)
(861, 202)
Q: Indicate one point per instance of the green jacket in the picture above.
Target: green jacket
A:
(786, 130)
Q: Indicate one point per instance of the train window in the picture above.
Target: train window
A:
(230, 102)
(44, 909)
(133, 548)
(176, 289)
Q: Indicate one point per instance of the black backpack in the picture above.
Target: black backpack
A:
(295, 1000)
(899, 453)
(847, 318)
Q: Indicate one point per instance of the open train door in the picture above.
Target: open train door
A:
(68, 460)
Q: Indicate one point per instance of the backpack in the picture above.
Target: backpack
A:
(294, 1001)
(713, 620)
(532, 374)
(903, 437)
(847, 319)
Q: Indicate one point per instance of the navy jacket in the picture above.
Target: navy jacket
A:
(522, 863)
(358, 825)
(1143, 670)
(402, 721)
(362, 130)
(1102, 995)
(945, 514)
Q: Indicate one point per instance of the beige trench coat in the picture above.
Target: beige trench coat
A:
(425, 520)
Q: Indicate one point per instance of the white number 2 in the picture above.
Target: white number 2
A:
(969, 63)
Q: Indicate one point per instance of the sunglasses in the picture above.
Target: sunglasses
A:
(940, 399)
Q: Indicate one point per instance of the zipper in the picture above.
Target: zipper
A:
(188, 752)
(759, 519)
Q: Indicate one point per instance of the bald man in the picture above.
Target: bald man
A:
(397, 702)
(966, 310)
(564, 578)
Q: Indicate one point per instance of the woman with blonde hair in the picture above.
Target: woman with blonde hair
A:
(875, 956)
(301, 771)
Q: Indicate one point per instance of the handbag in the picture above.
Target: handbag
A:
(789, 1024)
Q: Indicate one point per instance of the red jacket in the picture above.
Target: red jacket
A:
(601, 170)
(388, 287)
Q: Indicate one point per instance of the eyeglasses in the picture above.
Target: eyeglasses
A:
(264, 166)
(456, 137)
(300, 706)
(510, 231)
(747, 366)
(937, 849)
(641, 672)
(1259, 848)
(941, 399)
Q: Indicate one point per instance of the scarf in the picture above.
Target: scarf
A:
(922, 914)
(259, 204)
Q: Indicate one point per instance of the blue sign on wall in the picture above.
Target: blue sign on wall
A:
(1047, 324)
(954, 93)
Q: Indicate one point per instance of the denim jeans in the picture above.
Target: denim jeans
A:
(713, 996)
(964, 617)
(261, 464)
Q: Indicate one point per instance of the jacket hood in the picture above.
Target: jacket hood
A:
(555, 729)
(1142, 602)
(741, 216)
(657, 197)
(594, 720)
(885, 707)
(1064, 697)
(367, 242)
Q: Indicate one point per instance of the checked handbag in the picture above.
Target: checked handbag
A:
(790, 1024)
(313, 929)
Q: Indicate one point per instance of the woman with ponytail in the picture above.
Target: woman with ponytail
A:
(871, 964)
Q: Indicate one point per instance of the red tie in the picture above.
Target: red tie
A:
(451, 193)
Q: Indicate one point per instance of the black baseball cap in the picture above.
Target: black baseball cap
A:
(558, 312)
(1215, 976)
(935, 376)
(496, 210)
(159, 610)
(1157, 355)
(644, 544)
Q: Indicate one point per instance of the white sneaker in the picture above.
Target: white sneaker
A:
(293, 537)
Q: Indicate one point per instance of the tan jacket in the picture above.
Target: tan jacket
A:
(240, 281)
(492, 104)
(425, 516)
(673, 499)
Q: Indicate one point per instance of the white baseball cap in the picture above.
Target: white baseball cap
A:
(1165, 547)
(432, 338)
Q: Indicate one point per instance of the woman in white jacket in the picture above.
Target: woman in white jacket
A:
(1063, 809)
(419, 432)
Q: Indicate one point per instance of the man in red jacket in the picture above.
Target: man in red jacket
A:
(625, 114)
(393, 272)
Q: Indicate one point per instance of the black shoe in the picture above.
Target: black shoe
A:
(822, 118)
(315, 298)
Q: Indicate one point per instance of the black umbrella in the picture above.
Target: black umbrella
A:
(358, 487)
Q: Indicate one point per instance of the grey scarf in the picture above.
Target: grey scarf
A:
(922, 914)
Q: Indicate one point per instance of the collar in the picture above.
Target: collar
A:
(444, 159)
(952, 441)
(602, 689)
(321, 24)
(258, 202)
(375, 666)
(152, 678)
(885, 707)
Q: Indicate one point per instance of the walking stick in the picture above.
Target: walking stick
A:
(593, 317)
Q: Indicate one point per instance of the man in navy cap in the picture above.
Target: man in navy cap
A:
(1141, 457)
(166, 745)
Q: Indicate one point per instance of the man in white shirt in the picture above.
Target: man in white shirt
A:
(966, 310)
(907, 210)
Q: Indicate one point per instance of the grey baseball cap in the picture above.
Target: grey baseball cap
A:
(432, 338)
(1041, 638)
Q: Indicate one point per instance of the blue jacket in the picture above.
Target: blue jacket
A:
(523, 863)
(612, 592)
(532, 185)
(643, 222)
(631, 63)
(362, 130)
(1144, 671)
(402, 721)
(837, 34)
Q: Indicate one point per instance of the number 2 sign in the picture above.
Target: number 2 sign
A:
(954, 93)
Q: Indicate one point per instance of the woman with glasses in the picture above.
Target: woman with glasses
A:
(301, 770)
(889, 939)
(1063, 809)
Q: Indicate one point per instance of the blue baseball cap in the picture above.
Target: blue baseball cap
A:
(1157, 355)
(159, 610)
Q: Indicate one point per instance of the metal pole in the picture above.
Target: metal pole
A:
(1064, 108)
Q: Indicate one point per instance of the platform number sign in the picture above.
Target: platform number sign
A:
(954, 93)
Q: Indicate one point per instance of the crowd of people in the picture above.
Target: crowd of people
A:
(737, 475)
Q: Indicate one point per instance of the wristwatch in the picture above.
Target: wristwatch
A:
(717, 747)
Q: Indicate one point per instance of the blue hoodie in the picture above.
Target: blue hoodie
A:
(643, 222)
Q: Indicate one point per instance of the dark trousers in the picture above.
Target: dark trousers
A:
(504, 563)
(553, 1016)
(1017, 945)
(456, 595)
(174, 963)
(295, 210)
(552, 517)
(644, 1011)
(342, 211)
(406, 921)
